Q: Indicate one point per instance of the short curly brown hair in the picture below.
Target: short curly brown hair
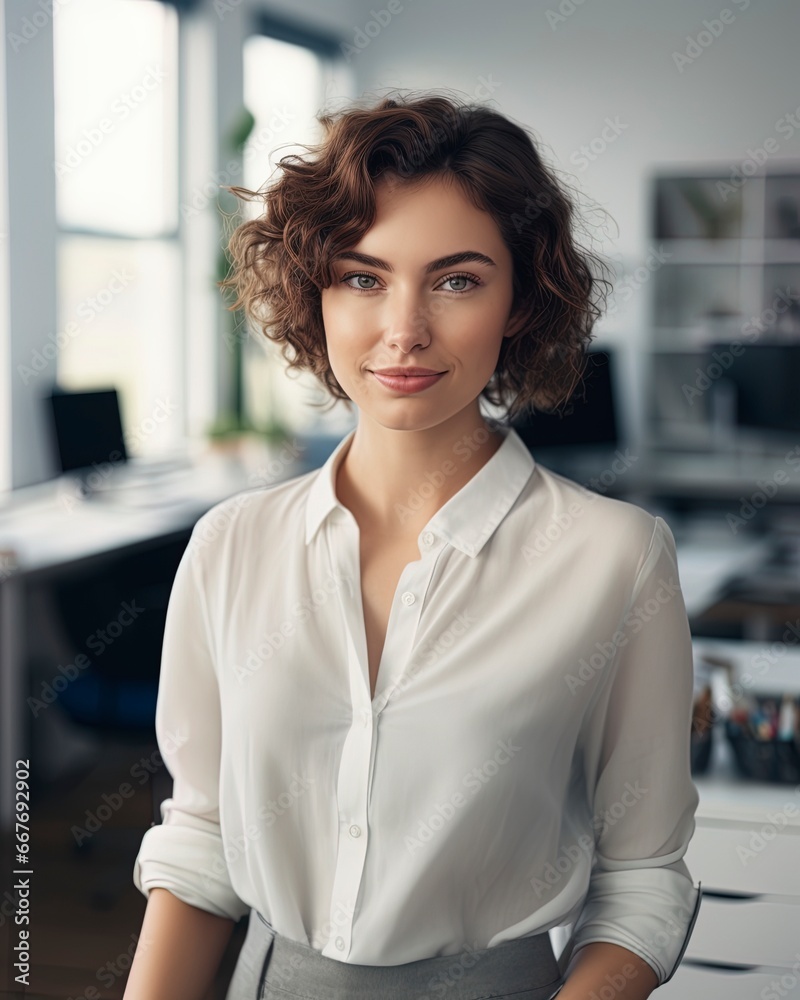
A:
(324, 203)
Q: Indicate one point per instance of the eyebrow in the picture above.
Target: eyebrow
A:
(453, 259)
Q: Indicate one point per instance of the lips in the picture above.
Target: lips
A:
(410, 372)
(408, 383)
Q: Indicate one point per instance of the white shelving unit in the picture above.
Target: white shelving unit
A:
(732, 274)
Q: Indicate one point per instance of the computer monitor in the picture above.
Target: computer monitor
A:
(766, 382)
(587, 420)
(87, 427)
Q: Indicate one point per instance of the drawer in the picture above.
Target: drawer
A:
(744, 858)
(704, 982)
(746, 930)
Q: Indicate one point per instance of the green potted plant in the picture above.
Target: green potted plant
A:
(233, 429)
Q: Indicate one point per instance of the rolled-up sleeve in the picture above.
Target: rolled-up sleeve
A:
(184, 853)
(641, 894)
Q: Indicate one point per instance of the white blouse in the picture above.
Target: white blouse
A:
(523, 765)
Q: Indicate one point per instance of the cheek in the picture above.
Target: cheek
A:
(479, 333)
(337, 316)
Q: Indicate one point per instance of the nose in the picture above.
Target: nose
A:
(408, 319)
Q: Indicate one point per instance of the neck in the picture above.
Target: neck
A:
(394, 481)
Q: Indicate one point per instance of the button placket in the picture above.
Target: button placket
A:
(356, 763)
(404, 618)
(354, 769)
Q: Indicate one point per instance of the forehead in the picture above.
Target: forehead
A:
(393, 191)
(433, 211)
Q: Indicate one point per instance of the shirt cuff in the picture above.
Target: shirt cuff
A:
(190, 862)
(649, 911)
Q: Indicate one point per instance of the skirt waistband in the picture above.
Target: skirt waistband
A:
(269, 961)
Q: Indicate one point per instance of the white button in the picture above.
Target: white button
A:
(366, 717)
(408, 597)
(340, 943)
(355, 831)
(427, 538)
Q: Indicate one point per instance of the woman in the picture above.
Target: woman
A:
(433, 699)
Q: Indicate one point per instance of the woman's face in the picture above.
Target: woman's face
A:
(408, 305)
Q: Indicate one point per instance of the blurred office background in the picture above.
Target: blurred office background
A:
(132, 400)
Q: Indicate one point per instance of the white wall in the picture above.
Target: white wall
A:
(564, 74)
(608, 59)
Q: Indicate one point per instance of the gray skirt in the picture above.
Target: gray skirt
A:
(273, 967)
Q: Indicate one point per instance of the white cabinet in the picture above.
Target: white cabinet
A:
(696, 982)
(746, 853)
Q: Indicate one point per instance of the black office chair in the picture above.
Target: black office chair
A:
(115, 616)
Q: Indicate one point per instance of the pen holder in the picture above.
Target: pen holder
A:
(764, 760)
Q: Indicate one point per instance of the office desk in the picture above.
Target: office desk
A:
(51, 531)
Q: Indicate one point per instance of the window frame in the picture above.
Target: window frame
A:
(174, 236)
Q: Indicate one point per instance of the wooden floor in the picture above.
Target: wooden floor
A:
(86, 913)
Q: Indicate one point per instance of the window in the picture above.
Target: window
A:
(120, 272)
(287, 81)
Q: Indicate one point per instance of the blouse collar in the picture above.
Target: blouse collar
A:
(469, 518)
